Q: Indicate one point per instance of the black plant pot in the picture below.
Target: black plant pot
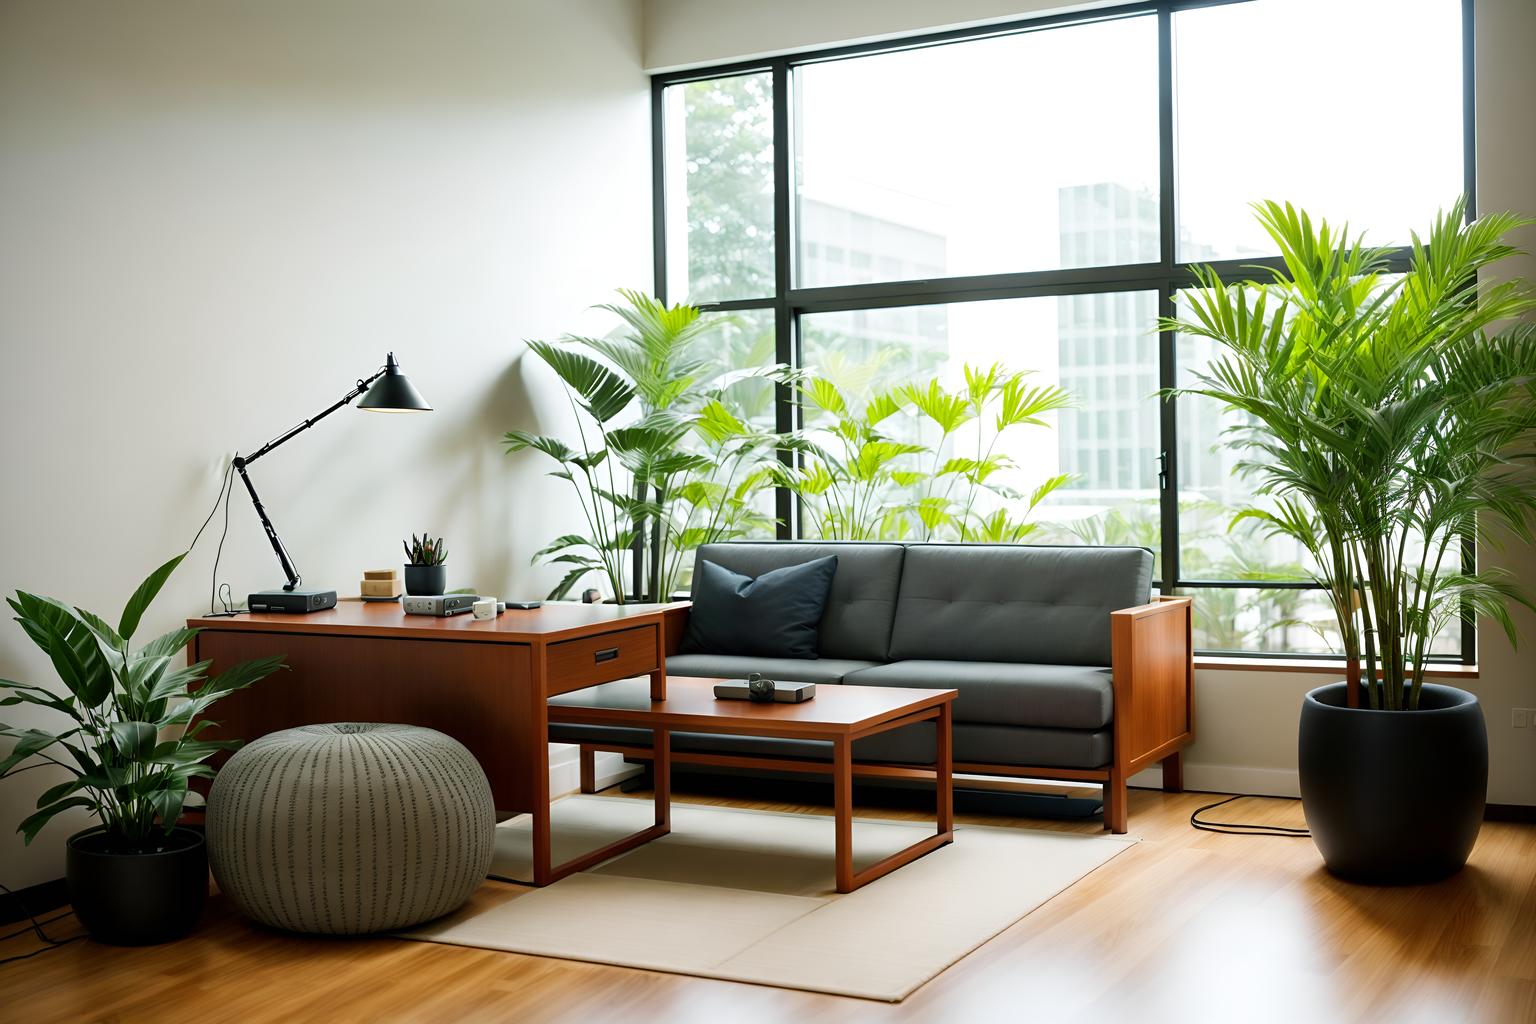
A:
(137, 899)
(425, 580)
(1394, 797)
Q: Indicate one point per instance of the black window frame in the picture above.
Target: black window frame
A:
(1166, 276)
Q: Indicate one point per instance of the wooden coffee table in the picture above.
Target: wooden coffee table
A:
(839, 714)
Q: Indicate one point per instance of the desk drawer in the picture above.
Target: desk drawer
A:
(574, 664)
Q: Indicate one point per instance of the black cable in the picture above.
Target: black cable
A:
(1238, 828)
(33, 926)
(215, 592)
(37, 928)
(39, 952)
(229, 469)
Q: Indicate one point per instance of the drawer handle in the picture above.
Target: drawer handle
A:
(607, 654)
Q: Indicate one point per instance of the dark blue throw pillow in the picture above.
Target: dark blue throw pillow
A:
(776, 615)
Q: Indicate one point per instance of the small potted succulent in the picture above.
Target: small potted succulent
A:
(130, 748)
(425, 572)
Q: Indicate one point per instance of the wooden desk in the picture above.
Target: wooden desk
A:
(483, 682)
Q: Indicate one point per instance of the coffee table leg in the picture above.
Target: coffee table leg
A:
(661, 770)
(842, 803)
(945, 766)
(944, 793)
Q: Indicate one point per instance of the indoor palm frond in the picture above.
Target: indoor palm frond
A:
(654, 427)
(1389, 418)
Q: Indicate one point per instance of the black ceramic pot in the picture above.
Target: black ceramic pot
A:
(1394, 797)
(137, 899)
(426, 580)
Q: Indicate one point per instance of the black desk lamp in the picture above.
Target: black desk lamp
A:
(388, 390)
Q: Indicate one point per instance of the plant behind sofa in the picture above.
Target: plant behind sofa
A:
(862, 481)
(661, 464)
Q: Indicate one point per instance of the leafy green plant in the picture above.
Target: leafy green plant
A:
(999, 400)
(860, 482)
(425, 550)
(1388, 418)
(661, 464)
(851, 482)
(133, 743)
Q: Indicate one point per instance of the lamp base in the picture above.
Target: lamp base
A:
(292, 601)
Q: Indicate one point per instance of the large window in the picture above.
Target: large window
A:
(1036, 195)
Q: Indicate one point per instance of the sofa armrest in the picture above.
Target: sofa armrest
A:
(674, 627)
(1153, 665)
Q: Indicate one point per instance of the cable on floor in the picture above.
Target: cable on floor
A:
(37, 928)
(1240, 828)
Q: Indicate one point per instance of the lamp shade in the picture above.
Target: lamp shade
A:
(393, 392)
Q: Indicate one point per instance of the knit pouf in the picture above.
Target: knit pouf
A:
(350, 828)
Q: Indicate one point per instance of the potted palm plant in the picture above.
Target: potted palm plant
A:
(128, 753)
(1386, 418)
(662, 463)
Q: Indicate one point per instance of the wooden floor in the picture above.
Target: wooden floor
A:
(1187, 926)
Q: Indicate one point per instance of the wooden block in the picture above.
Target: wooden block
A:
(381, 588)
(381, 574)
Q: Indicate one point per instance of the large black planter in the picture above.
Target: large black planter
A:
(137, 899)
(1394, 797)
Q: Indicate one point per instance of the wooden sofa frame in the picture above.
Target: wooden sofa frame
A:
(1152, 661)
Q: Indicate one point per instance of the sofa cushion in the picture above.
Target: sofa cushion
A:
(1002, 602)
(775, 614)
(788, 670)
(862, 605)
(1005, 693)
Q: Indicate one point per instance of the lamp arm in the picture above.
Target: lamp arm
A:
(299, 428)
(266, 524)
(240, 462)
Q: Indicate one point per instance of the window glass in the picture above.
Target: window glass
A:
(1272, 620)
(719, 189)
(1213, 489)
(1022, 152)
(1250, 620)
(1213, 546)
(1259, 118)
(1106, 442)
(744, 340)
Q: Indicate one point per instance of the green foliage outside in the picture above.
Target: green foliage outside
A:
(728, 147)
(859, 481)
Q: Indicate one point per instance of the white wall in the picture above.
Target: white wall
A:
(217, 214)
(1246, 720)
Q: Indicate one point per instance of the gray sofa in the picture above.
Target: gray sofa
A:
(1065, 665)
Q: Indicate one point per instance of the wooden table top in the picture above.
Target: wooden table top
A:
(556, 621)
(691, 704)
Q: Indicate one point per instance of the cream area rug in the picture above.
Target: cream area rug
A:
(749, 896)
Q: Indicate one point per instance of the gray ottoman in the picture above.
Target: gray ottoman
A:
(350, 828)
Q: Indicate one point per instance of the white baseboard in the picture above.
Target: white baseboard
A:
(1227, 778)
